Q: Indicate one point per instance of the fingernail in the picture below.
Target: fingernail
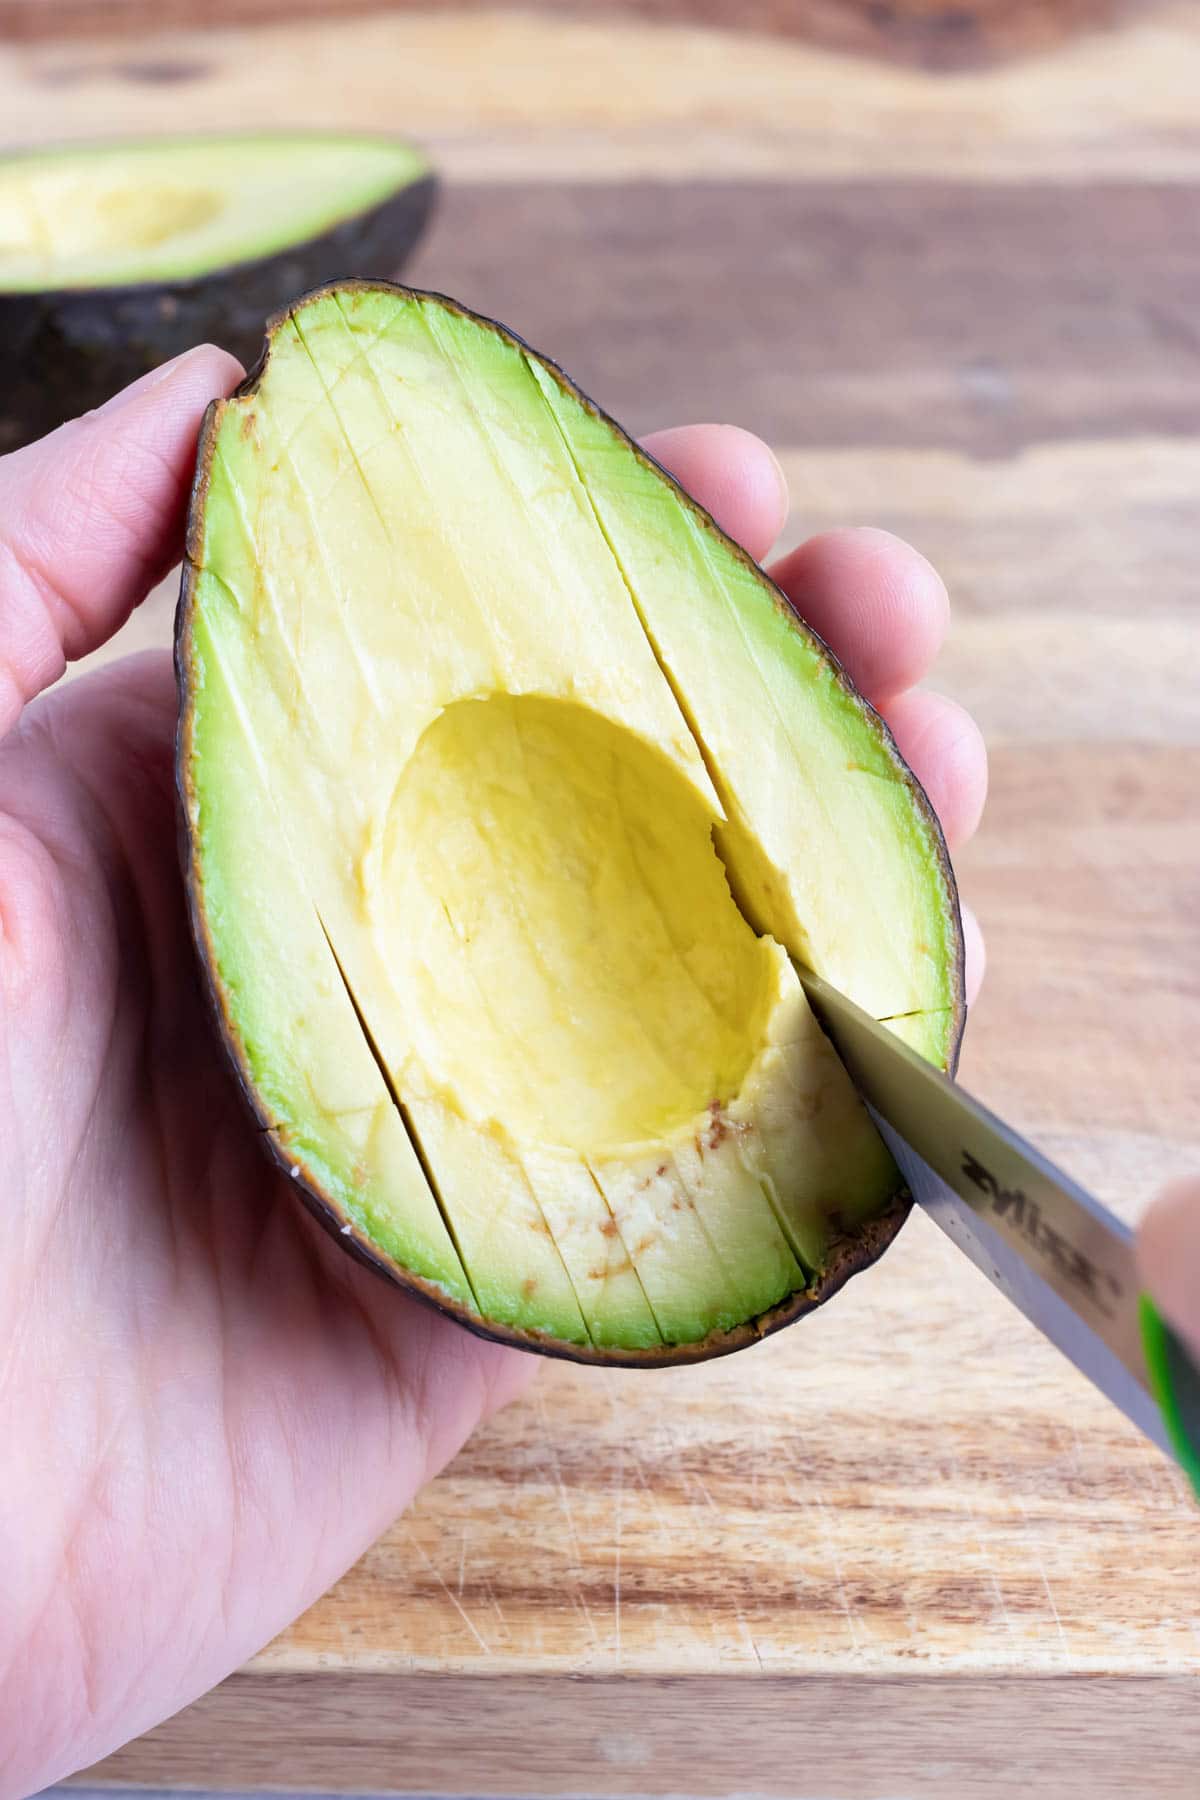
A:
(784, 492)
(152, 379)
(1169, 1257)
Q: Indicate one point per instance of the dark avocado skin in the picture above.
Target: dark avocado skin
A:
(64, 352)
(849, 1256)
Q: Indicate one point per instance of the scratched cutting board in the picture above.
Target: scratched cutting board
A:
(901, 1549)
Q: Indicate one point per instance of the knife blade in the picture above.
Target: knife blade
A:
(1054, 1250)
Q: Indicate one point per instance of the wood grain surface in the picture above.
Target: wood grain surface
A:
(933, 33)
(878, 1738)
(901, 1550)
(508, 97)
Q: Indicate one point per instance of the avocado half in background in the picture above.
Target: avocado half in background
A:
(509, 782)
(116, 256)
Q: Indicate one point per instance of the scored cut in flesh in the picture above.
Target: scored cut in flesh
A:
(511, 788)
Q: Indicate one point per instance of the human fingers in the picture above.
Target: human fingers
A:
(974, 955)
(92, 515)
(1168, 1248)
(732, 474)
(944, 748)
(878, 604)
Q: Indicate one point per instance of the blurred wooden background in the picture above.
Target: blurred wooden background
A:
(901, 1550)
(936, 33)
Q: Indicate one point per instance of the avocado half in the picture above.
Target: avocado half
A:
(116, 256)
(510, 786)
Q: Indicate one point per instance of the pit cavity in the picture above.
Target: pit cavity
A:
(49, 216)
(561, 931)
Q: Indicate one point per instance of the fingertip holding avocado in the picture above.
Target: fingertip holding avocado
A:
(116, 256)
(509, 783)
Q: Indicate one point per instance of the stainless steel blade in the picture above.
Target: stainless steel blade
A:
(1058, 1254)
(1009, 1270)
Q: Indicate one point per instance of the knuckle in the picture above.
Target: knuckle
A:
(31, 653)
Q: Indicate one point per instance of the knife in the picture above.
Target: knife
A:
(1053, 1249)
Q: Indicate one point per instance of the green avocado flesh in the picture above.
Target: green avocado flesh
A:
(511, 785)
(120, 214)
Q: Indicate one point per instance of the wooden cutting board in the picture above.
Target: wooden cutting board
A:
(902, 1549)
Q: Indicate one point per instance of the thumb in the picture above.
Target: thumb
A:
(1169, 1258)
(92, 516)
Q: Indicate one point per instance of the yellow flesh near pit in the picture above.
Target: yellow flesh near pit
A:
(113, 215)
(461, 663)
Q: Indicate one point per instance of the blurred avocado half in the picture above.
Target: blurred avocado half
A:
(116, 256)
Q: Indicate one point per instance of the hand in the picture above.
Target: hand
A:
(1169, 1256)
(207, 1411)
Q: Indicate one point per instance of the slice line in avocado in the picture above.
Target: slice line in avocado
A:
(402, 1111)
(626, 1247)
(734, 818)
(727, 803)
(279, 1133)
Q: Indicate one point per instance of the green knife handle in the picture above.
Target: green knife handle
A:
(1175, 1381)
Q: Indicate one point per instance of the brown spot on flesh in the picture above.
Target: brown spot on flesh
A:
(807, 1106)
(720, 1127)
(529, 1286)
(609, 1228)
